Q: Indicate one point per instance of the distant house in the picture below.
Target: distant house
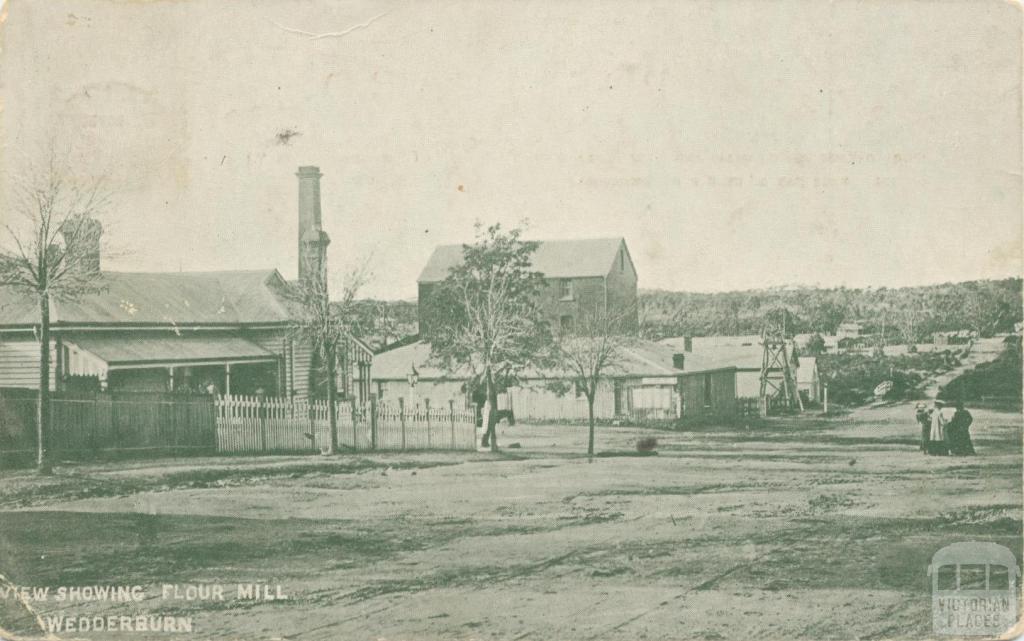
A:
(227, 331)
(960, 337)
(808, 379)
(849, 329)
(594, 274)
(645, 384)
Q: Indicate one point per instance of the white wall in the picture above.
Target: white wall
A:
(748, 384)
(19, 363)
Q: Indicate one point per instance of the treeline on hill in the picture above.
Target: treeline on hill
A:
(898, 315)
(383, 322)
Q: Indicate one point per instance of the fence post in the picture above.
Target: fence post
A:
(451, 413)
(426, 404)
(261, 413)
(401, 418)
(354, 413)
(373, 421)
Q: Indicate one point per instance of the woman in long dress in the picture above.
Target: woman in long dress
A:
(958, 432)
(937, 445)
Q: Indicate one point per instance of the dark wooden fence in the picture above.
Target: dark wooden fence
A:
(103, 425)
(93, 425)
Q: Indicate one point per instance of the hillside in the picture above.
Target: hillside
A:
(904, 314)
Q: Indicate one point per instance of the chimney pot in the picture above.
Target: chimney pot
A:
(82, 235)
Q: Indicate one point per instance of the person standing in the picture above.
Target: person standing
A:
(958, 432)
(924, 419)
(937, 445)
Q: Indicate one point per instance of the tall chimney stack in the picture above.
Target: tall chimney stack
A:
(82, 235)
(313, 241)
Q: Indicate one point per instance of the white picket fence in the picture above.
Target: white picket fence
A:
(266, 424)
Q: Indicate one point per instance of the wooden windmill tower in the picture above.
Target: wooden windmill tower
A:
(778, 383)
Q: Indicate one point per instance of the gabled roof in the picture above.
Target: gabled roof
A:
(171, 298)
(553, 258)
(708, 356)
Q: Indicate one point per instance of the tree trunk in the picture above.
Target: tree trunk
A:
(590, 416)
(491, 435)
(332, 397)
(43, 406)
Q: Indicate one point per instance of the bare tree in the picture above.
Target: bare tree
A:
(52, 253)
(908, 318)
(589, 351)
(327, 326)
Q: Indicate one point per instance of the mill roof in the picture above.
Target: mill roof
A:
(554, 258)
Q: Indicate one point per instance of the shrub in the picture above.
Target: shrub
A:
(999, 378)
(852, 378)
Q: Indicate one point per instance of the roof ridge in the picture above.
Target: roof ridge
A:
(191, 273)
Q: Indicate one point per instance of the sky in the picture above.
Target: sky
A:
(733, 144)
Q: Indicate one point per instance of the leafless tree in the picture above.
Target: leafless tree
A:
(51, 252)
(589, 352)
(327, 326)
(493, 325)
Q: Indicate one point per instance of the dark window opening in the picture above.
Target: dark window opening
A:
(565, 289)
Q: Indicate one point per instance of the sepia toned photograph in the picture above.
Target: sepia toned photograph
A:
(511, 321)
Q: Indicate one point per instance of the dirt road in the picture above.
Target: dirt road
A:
(802, 529)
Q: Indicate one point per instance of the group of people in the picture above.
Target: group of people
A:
(945, 430)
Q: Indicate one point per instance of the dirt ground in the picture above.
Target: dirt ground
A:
(806, 528)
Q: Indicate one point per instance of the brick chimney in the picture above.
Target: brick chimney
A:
(82, 235)
(313, 241)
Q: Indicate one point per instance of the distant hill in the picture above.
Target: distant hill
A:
(381, 322)
(904, 314)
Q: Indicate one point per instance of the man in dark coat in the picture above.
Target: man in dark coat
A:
(924, 419)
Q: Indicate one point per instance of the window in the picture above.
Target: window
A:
(566, 323)
(565, 289)
(707, 390)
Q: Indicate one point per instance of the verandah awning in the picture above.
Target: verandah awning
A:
(134, 352)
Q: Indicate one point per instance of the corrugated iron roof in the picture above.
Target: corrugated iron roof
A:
(132, 349)
(553, 258)
(710, 356)
(171, 298)
(638, 359)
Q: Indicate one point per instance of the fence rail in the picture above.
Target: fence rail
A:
(253, 424)
(92, 425)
